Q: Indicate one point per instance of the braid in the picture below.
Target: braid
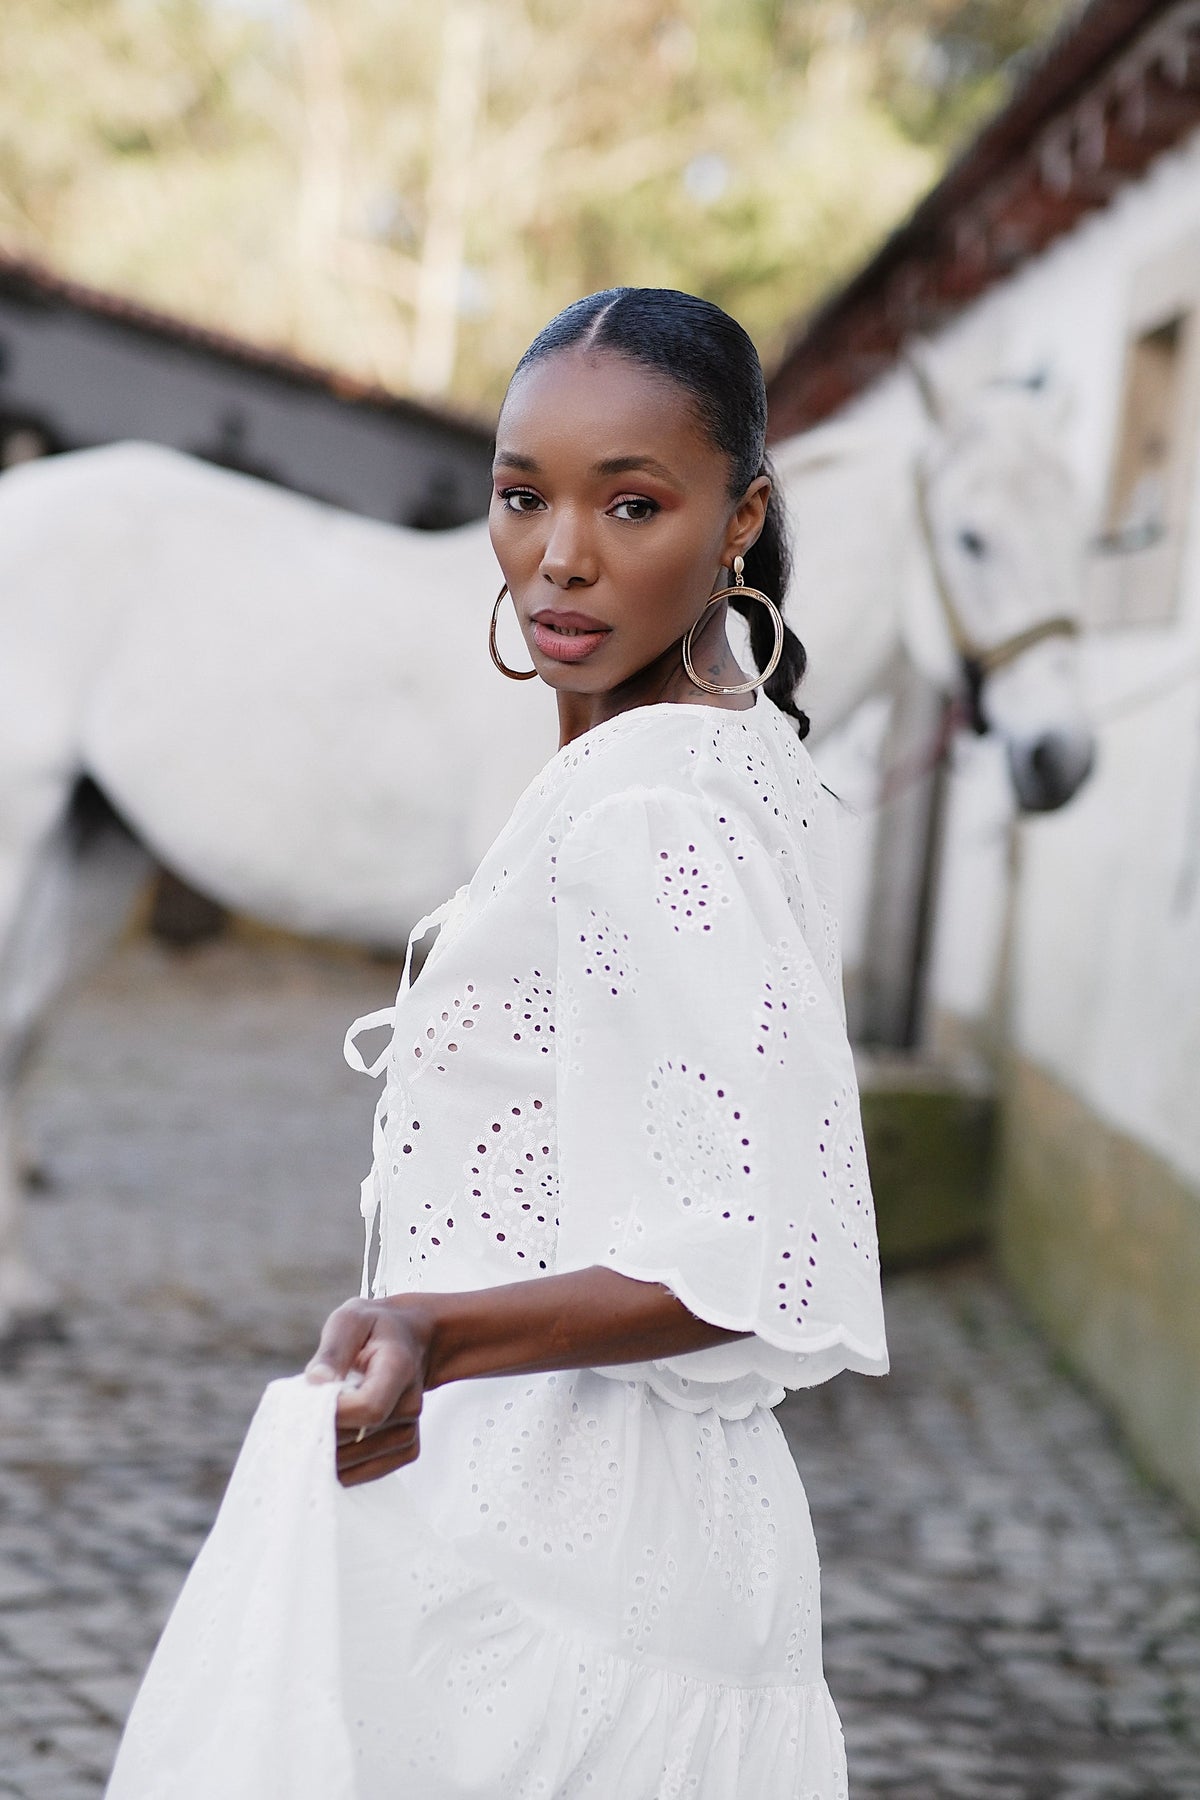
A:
(768, 567)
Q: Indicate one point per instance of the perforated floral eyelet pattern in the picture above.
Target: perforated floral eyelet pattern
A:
(446, 1030)
(736, 1517)
(632, 1041)
(691, 888)
(793, 970)
(546, 1478)
(605, 958)
(844, 1176)
(513, 1184)
(632, 1054)
(775, 1022)
(700, 1143)
(398, 1638)
(531, 1012)
(653, 1587)
(796, 1267)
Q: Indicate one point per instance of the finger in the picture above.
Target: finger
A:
(383, 1460)
(353, 1450)
(360, 1477)
(345, 1333)
(388, 1382)
(399, 1421)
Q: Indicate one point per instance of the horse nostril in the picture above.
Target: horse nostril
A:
(1046, 758)
(1051, 770)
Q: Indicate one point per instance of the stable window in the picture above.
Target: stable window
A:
(1136, 573)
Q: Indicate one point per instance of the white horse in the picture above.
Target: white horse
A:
(294, 708)
(959, 547)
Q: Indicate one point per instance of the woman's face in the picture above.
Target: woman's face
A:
(611, 519)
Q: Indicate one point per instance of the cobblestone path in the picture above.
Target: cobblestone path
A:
(1009, 1610)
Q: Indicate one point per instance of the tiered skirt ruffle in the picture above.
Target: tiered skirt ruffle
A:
(330, 1645)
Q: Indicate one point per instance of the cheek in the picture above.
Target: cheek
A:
(659, 600)
(499, 518)
(515, 540)
(669, 573)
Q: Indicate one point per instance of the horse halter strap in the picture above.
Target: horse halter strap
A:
(978, 661)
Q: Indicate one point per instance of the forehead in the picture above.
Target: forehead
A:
(602, 403)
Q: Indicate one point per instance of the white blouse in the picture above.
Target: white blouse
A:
(628, 1048)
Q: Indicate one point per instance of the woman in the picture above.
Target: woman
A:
(618, 1171)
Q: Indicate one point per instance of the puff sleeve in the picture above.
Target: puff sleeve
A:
(708, 1114)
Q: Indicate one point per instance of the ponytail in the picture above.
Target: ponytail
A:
(768, 567)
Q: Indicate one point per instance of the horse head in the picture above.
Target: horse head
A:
(1004, 543)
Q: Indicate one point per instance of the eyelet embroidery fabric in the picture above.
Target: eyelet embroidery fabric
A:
(626, 1047)
(668, 885)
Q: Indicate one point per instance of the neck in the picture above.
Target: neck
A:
(663, 681)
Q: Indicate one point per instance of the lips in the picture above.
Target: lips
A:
(567, 636)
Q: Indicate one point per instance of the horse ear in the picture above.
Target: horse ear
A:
(935, 400)
(1056, 400)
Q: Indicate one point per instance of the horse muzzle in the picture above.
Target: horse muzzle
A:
(1047, 771)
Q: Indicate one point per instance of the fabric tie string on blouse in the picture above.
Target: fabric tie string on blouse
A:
(448, 914)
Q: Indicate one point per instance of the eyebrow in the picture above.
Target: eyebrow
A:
(620, 465)
(612, 465)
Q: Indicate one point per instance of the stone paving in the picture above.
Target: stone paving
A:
(1010, 1611)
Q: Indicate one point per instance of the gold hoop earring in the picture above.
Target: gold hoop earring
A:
(494, 649)
(737, 591)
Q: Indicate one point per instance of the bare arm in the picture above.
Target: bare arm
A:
(404, 1344)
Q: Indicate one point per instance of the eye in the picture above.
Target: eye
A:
(634, 508)
(515, 499)
(972, 542)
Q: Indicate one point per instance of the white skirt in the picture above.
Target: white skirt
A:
(579, 1589)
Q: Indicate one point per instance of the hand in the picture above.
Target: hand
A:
(379, 1350)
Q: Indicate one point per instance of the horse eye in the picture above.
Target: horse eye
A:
(972, 543)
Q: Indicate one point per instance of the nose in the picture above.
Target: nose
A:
(569, 559)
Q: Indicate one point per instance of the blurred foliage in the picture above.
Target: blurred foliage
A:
(408, 192)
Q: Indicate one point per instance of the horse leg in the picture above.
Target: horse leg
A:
(67, 904)
(26, 1298)
(24, 1295)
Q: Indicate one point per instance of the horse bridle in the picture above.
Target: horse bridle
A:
(978, 661)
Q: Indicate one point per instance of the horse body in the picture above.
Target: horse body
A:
(850, 508)
(294, 707)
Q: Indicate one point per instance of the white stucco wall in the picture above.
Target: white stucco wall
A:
(1102, 979)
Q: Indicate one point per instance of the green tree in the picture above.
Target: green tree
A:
(408, 192)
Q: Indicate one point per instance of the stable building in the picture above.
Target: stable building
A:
(1063, 950)
(80, 368)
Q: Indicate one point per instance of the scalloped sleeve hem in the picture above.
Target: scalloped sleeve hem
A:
(732, 1379)
(710, 1135)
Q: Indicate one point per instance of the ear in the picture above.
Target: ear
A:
(935, 397)
(746, 523)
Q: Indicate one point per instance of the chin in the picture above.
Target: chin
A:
(572, 678)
